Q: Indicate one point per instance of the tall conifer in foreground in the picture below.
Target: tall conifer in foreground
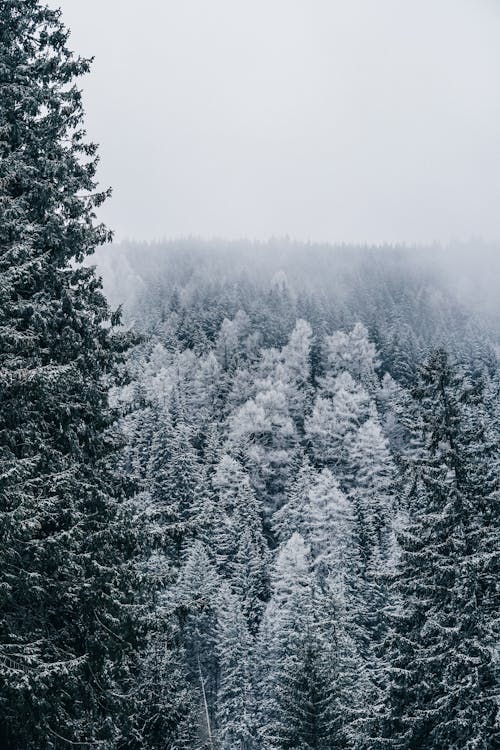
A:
(65, 638)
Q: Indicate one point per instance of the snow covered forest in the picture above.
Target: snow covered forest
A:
(252, 502)
(314, 454)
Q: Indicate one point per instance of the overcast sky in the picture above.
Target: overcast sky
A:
(339, 120)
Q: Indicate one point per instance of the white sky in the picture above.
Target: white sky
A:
(339, 120)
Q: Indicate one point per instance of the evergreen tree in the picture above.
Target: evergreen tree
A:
(175, 481)
(237, 538)
(442, 686)
(236, 717)
(194, 600)
(334, 422)
(227, 345)
(167, 712)
(374, 491)
(330, 532)
(297, 371)
(353, 353)
(297, 707)
(293, 517)
(67, 640)
(263, 435)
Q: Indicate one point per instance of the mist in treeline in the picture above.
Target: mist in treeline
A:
(256, 506)
(467, 272)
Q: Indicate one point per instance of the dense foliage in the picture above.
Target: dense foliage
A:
(324, 507)
(67, 643)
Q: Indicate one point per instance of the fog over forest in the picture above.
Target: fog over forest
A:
(470, 269)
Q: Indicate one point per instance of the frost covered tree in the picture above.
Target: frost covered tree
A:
(442, 684)
(175, 486)
(322, 432)
(237, 538)
(354, 353)
(236, 715)
(297, 368)
(66, 626)
(319, 511)
(296, 660)
(139, 428)
(168, 709)
(263, 436)
(294, 515)
(374, 491)
(337, 415)
(227, 345)
(330, 533)
(194, 601)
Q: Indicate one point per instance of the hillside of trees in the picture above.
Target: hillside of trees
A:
(256, 508)
(315, 459)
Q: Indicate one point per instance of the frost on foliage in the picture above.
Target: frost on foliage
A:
(354, 353)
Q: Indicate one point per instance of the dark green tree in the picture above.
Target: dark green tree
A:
(441, 677)
(67, 639)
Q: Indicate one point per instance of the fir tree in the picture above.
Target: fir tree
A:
(294, 515)
(353, 353)
(236, 716)
(66, 634)
(442, 685)
(334, 422)
(175, 482)
(374, 491)
(237, 537)
(297, 371)
(194, 600)
(298, 702)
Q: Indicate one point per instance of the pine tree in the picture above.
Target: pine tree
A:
(67, 640)
(227, 345)
(297, 662)
(442, 685)
(330, 532)
(318, 510)
(237, 539)
(293, 517)
(353, 353)
(374, 491)
(194, 601)
(334, 422)
(175, 480)
(263, 436)
(167, 711)
(139, 428)
(297, 371)
(236, 716)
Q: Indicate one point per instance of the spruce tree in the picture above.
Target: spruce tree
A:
(236, 717)
(66, 640)
(374, 489)
(354, 353)
(334, 422)
(298, 660)
(441, 679)
(237, 538)
(294, 515)
(195, 602)
(175, 480)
